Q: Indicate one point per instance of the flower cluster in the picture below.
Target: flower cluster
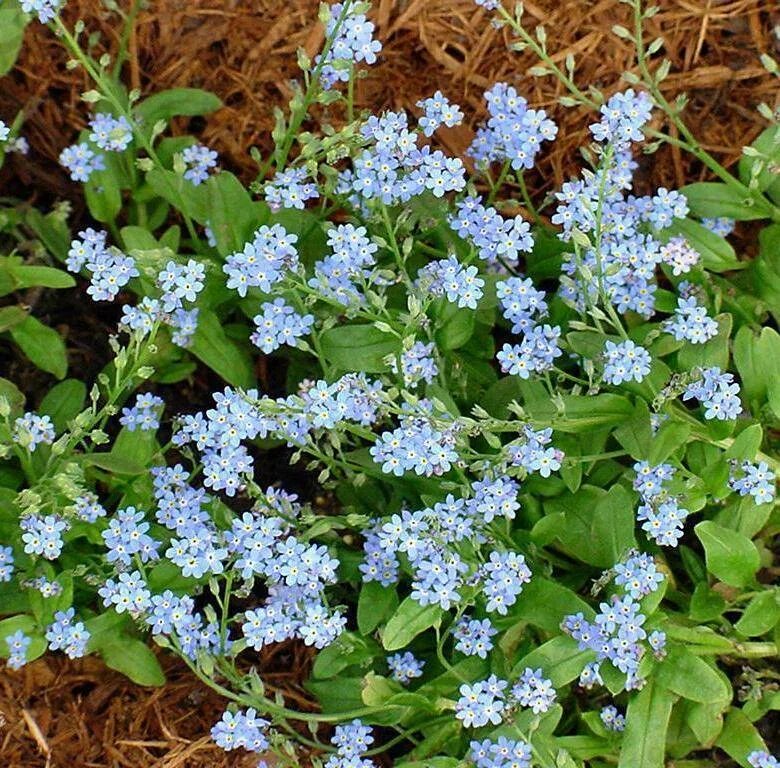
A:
(351, 37)
(497, 240)
(761, 759)
(278, 324)
(448, 277)
(438, 111)
(17, 644)
(474, 637)
(513, 133)
(717, 392)
(46, 10)
(625, 361)
(110, 269)
(691, 322)
(67, 634)
(242, 729)
(503, 752)
(351, 741)
(198, 161)
(290, 189)
(536, 353)
(144, 415)
(661, 516)
(80, 161)
(756, 480)
(43, 535)
(404, 667)
(612, 719)
(32, 430)
(110, 133)
(488, 701)
(617, 633)
(262, 262)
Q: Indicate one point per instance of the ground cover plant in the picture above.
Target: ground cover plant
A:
(548, 423)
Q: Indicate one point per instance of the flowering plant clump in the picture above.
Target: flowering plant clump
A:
(548, 426)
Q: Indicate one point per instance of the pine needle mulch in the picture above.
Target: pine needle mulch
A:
(60, 714)
(56, 713)
(246, 53)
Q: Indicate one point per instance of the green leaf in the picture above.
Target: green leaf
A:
(42, 345)
(711, 198)
(670, 436)
(180, 193)
(177, 101)
(12, 394)
(408, 621)
(211, 345)
(757, 357)
(29, 276)
(560, 659)
(689, 676)
(103, 191)
(712, 352)
(746, 444)
(233, 216)
(761, 614)
(716, 252)
(606, 521)
(647, 721)
(348, 650)
(739, 737)
(116, 465)
(139, 239)
(636, 434)
(11, 316)
(134, 659)
(456, 326)
(358, 348)
(63, 402)
(12, 23)
(768, 143)
(374, 605)
(543, 603)
(731, 557)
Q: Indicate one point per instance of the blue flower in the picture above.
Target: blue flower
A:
(263, 261)
(43, 535)
(6, 563)
(81, 161)
(17, 644)
(279, 324)
(68, 635)
(625, 361)
(623, 117)
(290, 189)
(717, 392)
(481, 703)
(198, 160)
(404, 667)
(352, 41)
(438, 111)
(45, 9)
(534, 691)
(113, 134)
(32, 430)
(691, 322)
(612, 719)
(241, 730)
(757, 480)
(474, 636)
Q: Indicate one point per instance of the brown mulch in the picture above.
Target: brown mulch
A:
(246, 53)
(56, 713)
(60, 714)
(82, 715)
